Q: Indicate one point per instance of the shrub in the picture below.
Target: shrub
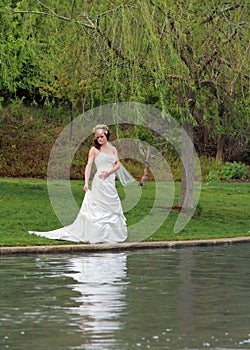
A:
(210, 169)
(213, 176)
(234, 171)
(228, 171)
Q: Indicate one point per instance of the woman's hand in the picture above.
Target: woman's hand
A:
(104, 174)
(86, 187)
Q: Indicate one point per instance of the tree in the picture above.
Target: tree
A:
(17, 58)
(176, 54)
(227, 72)
(192, 42)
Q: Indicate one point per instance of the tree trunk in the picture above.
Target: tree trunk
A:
(220, 138)
(186, 194)
(146, 169)
(220, 146)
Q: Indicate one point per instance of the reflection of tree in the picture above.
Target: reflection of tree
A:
(100, 281)
(184, 296)
(152, 314)
(222, 284)
(214, 307)
(187, 297)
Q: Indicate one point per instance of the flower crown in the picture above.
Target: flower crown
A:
(98, 129)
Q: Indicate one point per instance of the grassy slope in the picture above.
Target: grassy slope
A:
(25, 205)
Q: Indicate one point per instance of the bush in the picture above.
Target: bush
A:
(209, 169)
(234, 171)
(228, 171)
(213, 176)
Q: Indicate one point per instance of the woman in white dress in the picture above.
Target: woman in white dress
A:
(101, 218)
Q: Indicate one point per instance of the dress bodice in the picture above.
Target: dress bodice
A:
(104, 161)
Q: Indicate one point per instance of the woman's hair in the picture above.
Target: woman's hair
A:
(98, 130)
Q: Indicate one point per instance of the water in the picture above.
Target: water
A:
(193, 298)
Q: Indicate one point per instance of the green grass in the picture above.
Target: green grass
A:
(25, 205)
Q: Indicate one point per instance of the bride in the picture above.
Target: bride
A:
(101, 218)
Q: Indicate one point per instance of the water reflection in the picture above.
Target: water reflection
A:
(194, 298)
(185, 291)
(101, 283)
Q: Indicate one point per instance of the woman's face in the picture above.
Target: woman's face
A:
(102, 138)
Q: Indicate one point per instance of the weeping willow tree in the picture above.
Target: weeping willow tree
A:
(201, 50)
(227, 78)
(176, 54)
(169, 53)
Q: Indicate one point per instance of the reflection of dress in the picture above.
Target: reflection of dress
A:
(100, 302)
(101, 217)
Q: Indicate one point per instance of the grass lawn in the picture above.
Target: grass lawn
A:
(25, 205)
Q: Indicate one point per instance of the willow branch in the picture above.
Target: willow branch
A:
(68, 19)
(72, 8)
(214, 87)
(157, 6)
(104, 14)
(212, 15)
(245, 56)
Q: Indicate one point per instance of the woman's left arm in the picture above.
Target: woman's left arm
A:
(105, 174)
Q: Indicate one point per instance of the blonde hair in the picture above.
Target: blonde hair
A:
(100, 128)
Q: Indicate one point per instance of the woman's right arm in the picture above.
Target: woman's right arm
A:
(88, 167)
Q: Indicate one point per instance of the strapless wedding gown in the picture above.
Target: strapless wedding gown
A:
(101, 218)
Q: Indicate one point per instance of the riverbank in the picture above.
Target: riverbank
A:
(86, 248)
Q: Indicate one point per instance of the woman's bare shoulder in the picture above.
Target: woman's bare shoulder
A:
(93, 151)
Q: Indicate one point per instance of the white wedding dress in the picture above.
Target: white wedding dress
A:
(101, 218)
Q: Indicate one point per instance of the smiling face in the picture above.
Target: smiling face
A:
(101, 138)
